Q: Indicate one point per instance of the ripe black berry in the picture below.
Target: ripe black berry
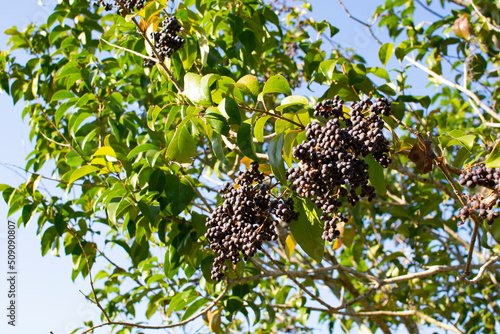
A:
(246, 219)
(332, 165)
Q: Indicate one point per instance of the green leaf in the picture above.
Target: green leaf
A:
(385, 52)
(153, 113)
(195, 91)
(229, 108)
(460, 157)
(62, 95)
(390, 257)
(292, 101)
(277, 84)
(76, 120)
(379, 72)
(69, 69)
(425, 101)
(234, 304)
(288, 147)
(376, 174)
(157, 181)
(327, 67)
(179, 192)
(307, 230)
(218, 147)
(208, 80)
(245, 140)
(140, 149)
(217, 121)
(183, 145)
(457, 137)
(275, 153)
(61, 110)
(495, 230)
(259, 128)
(193, 308)
(82, 171)
(493, 160)
(188, 55)
(115, 206)
(248, 84)
(282, 294)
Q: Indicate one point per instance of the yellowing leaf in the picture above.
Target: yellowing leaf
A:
(337, 244)
(214, 321)
(106, 150)
(290, 244)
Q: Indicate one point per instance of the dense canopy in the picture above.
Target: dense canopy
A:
(237, 169)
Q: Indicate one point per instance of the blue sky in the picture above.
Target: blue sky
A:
(47, 298)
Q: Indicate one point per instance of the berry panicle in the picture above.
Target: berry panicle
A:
(489, 178)
(247, 218)
(331, 161)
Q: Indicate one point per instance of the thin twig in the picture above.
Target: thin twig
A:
(96, 300)
(438, 323)
(177, 324)
(480, 274)
(359, 21)
(49, 178)
(64, 137)
(421, 179)
(469, 93)
(130, 51)
(302, 287)
(430, 10)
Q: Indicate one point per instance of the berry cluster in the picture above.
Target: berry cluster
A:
(489, 178)
(129, 5)
(331, 161)
(247, 218)
(166, 40)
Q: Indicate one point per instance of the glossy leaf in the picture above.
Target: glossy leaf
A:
(179, 192)
(277, 84)
(307, 230)
(183, 146)
(292, 100)
(275, 153)
(62, 95)
(245, 140)
(385, 53)
(229, 108)
(82, 171)
(376, 174)
(217, 121)
(259, 128)
(195, 91)
(248, 84)
(493, 160)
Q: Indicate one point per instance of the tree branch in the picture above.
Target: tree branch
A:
(421, 179)
(177, 324)
(464, 90)
(481, 272)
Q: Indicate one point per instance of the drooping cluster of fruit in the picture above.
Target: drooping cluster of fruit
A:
(129, 5)
(166, 40)
(331, 161)
(247, 218)
(489, 178)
